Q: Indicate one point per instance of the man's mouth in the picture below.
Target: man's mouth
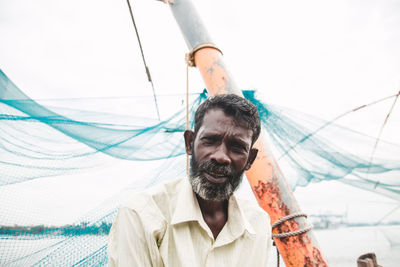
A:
(216, 178)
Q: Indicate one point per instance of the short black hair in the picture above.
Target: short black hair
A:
(242, 111)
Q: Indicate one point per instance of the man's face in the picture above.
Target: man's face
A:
(221, 151)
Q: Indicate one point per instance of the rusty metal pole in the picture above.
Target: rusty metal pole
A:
(266, 179)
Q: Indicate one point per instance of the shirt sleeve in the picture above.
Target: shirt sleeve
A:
(129, 243)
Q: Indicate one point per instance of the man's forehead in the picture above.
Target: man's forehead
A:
(217, 114)
(216, 120)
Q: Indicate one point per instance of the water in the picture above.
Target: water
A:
(342, 246)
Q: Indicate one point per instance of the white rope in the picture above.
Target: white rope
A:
(291, 216)
(298, 232)
(286, 218)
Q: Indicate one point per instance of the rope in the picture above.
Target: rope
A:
(298, 232)
(187, 112)
(277, 254)
(144, 60)
(187, 97)
(387, 214)
(281, 235)
(286, 218)
(277, 257)
(379, 137)
(335, 119)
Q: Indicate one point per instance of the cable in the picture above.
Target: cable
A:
(187, 112)
(379, 137)
(335, 119)
(144, 60)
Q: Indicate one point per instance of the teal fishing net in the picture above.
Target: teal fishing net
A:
(59, 155)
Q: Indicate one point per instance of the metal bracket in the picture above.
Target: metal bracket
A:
(189, 57)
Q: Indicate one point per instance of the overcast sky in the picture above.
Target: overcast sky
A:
(319, 57)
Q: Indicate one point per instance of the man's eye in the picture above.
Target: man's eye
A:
(209, 141)
(238, 148)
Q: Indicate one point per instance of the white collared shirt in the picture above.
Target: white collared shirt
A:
(164, 227)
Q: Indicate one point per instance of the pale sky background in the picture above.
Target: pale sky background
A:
(319, 57)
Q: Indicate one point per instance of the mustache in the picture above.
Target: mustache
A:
(214, 167)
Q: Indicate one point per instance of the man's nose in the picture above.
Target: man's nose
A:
(220, 155)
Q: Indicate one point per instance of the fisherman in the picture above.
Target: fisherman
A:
(198, 221)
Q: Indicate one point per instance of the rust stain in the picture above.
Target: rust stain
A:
(260, 189)
(304, 239)
(298, 250)
(318, 257)
(307, 262)
(269, 198)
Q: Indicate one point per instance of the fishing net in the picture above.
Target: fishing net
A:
(86, 156)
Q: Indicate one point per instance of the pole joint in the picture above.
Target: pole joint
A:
(189, 57)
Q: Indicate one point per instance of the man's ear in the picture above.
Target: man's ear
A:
(252, 156)
(189, 140)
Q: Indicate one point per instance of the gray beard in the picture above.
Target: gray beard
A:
(210, 191)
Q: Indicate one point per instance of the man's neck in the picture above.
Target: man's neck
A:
(215, 214)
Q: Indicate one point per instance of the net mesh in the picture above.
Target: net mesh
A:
(44, 142)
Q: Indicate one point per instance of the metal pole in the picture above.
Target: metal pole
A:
(266, 179)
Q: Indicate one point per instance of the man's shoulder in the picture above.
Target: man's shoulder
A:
(254, 213)
(158, 200)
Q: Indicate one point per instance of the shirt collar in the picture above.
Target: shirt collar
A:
(187, 209)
